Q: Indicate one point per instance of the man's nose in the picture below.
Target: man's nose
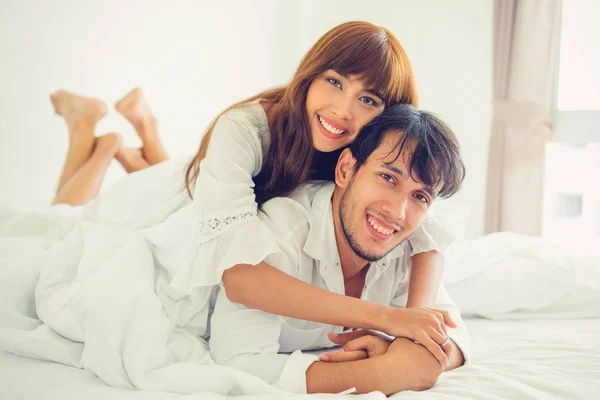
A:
(396, 207)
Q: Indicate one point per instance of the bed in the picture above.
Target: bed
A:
(527, 359)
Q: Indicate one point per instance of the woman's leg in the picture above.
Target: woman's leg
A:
(85, 183)
(131, 159)
(137, 111)
(81, 115)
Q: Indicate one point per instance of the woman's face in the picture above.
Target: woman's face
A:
(337, 108)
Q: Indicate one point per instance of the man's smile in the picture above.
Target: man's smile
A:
(379, 229)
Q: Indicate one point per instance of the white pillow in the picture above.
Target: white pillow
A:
(452, 216)
(510, 276)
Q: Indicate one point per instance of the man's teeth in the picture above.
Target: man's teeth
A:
(330, 128)
(379, 228)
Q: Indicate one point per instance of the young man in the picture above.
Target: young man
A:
(349, 238)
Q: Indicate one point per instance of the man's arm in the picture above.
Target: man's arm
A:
(405, 366)
(455, 355)
(247, 339)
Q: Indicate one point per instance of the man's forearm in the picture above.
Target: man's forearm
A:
(371, 374)
(406, 366)
(456, 358)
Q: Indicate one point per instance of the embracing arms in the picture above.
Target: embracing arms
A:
(404, 366)
(248, 340)
(266, 288)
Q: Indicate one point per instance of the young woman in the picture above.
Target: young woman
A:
(265, 147)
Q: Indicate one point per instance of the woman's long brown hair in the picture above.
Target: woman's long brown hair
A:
(354, 48)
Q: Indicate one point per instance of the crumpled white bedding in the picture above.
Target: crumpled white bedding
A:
(80, 286)
(535, 359)
(95, 293)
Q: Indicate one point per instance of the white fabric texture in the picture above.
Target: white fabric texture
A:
(511, 276)
(538, 359)
(96, 297)
(250, 339)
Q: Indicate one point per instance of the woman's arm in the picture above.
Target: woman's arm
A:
(268, 289)
(425, 278)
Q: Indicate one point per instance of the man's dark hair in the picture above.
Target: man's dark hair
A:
(434, 150)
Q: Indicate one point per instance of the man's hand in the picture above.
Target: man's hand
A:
(357, 345)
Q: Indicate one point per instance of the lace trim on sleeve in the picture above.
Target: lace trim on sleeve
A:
(219, 223)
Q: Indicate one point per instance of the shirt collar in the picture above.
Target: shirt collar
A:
(321, 243)
(321, 235)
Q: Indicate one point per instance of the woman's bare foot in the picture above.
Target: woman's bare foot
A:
(131, 159)
(77, 109)
(107, 146)
(136, 110)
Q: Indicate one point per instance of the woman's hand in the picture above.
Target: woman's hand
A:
(357, 345)
(426, 326)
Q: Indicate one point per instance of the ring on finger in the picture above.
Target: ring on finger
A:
(445, 341)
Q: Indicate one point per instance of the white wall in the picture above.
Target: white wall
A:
(194, 58)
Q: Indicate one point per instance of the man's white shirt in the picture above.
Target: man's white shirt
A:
(251, 340)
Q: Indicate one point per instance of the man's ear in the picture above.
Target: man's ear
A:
(344, 170)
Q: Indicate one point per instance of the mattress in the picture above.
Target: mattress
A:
(525, 359)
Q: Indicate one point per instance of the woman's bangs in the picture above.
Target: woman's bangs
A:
(376, 68)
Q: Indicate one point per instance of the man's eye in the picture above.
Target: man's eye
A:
(334, 82)
(368, 100)
(422, 198)
(388, 178)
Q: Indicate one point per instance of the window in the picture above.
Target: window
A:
(572, 177)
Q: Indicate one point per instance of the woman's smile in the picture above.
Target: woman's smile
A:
(331, 129)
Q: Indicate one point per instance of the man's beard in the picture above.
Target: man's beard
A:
(345, 210)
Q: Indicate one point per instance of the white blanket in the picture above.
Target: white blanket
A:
(96, 297)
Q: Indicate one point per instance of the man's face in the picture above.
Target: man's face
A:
(381, 204)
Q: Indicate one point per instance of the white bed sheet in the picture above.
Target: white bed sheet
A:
(533, 359)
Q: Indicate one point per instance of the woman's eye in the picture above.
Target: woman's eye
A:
(334, 82)
(422, 198)
(368, 100)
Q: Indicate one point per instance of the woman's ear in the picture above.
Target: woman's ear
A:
(344, 170)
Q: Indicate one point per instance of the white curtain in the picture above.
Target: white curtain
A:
(526, 45)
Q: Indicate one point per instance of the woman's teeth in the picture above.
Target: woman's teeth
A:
(330, 128)
(379, 228)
